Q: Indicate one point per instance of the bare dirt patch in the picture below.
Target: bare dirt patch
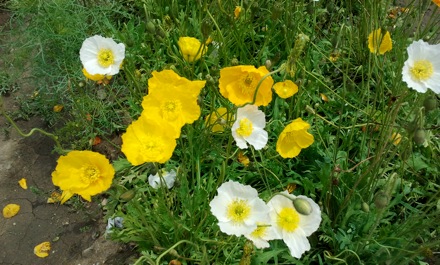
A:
(76, 235)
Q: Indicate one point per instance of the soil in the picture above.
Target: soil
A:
(76, 235)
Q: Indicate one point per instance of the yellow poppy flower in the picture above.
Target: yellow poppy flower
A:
(11, 210)
(148, 140)
(293, 138)
(219, 120)
(379, 41)
(173, 98)
(437, 2)
(42, 250)
(285, 89)
(239, 84)
(85, 173)
(191, 48)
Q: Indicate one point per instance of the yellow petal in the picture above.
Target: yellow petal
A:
(11, 210)
(379, 41)
(42, 250)
(23, 184)
(285, 89)
(58, 108)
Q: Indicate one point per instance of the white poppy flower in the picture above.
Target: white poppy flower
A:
(262, 234)
(168, 179)
(249, 127)
(238, 208)
(101, 55)
(294, 225)
(422, 69)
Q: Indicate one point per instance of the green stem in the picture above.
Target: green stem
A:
(54, 137)
(171, 248)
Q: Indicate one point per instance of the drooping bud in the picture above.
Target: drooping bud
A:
(150, 27)
(302, 206)
(381, 200)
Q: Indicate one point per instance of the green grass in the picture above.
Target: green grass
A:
(379, 201)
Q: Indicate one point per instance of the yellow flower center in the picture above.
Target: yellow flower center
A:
(288, 219)
(153, 146)
(260, 231)
(248, 85)
(290, 136)
(90, 174)
(245, 128)
(422, 70)
(105, 57)
(171, 109)
(238, 211)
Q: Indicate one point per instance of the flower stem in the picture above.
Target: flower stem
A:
(54, 137)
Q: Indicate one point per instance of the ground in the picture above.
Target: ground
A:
(76, 235)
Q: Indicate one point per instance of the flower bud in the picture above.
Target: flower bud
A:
(381, 200)
(150, 27)
(128, 195)
(430, 104)
(302, 206)
(419, 136)
(365, 207)
(268, 64)
(234, 61)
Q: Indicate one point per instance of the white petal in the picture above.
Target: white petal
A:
(258, 139)
(240, 141)
(218, 208)
(297, 244)
(237, 230)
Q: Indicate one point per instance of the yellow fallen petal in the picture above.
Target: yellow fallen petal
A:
(58, 108)
(23, 184)
(42, 250)
(11, 210)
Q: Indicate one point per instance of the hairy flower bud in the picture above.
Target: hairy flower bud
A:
(302, 206)
(430, 104)
(381, 200)
(419, 136)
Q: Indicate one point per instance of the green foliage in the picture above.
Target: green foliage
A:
(379, 200)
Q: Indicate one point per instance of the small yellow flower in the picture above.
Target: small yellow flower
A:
(239, 85)
(396, 138)
(58, 108)
(293, 138)
(437, 2)
(95, 77)
(379, 41)
(191, 48)
(11, 210)
(42, 250)
(85, 173)
(23, 184)
(148, 139)
(237, 11)
(219, 120)
(285, 89)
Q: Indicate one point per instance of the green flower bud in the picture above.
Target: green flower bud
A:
(365, 207)
(430, 104)
(234, 61)
(128, 195)
(302, 206)
(150, 27)
(419, 136)
(381, 200)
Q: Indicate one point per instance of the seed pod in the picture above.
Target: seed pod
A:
(302, 206)
(419, 136)
(430, 104)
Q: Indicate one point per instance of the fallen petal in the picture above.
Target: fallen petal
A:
(11, 210)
